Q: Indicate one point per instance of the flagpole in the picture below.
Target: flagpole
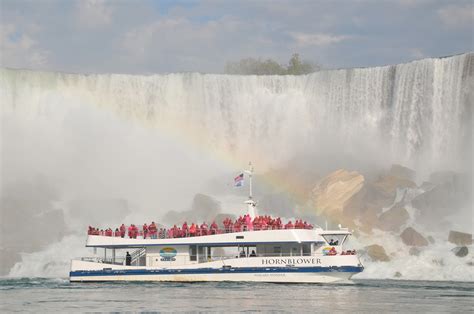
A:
(251, 204)
(250, 179)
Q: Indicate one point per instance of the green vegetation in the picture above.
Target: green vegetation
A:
(251, 66)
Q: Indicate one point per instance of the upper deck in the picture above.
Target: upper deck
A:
(223, 239)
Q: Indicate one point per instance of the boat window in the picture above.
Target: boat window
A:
(306, 249)
(193, 253)
(277, 250)
(335, 239)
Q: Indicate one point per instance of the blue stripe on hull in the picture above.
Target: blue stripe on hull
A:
(239, 270)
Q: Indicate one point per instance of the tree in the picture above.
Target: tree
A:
(252, 66)
(298, 67)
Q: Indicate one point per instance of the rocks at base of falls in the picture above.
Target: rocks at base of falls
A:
(334, 191)
(349, 198)
(460, 251)
(393, 219)
(414, 251)
(402, 172)
(411, 237)
(446, 191)
(377, 253)
(460, 238)
(203, 208)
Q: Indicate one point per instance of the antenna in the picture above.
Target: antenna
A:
(251, 203)
(250, 172)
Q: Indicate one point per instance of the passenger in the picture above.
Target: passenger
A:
(192, 230)
(117, 232)
(331, 242)
(185, 229)
(122, 230)
(152, 229)
(145, 230)
(248, 222)
(214, 228)
(242, 254)
(198, 231)
(253, 254)
(204, 228)
(128, 259)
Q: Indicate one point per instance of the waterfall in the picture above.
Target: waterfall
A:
(418, 113)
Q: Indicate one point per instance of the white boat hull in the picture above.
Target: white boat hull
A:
(318, 277)
(252, 271)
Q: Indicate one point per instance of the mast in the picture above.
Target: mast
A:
(250, 202)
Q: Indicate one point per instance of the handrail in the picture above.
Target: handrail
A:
(164, 233)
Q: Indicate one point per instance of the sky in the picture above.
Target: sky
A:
(144, 37)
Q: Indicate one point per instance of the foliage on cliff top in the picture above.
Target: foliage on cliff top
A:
(252, 66)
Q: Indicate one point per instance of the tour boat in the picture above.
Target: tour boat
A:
(260, 254)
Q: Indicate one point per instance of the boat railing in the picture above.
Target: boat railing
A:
(172, 234)
(102, 260)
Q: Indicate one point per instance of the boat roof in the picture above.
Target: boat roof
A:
(225, 239)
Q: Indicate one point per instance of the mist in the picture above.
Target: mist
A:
(151, 143)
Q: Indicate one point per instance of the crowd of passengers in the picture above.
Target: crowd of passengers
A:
(243, 223)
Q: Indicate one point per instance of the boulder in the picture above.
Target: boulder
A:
(460, 238)
(377, 253)
(412, 238)
(393, 219)
(398, 274)
(387, 185)
(449, 195)
(414, 251)
(460, 251)
(334, 191)
(203, 208)
(402, 172)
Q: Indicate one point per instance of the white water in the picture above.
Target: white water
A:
(157, 140)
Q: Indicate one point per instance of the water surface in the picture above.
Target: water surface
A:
(59, 295)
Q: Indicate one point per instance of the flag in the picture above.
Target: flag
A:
(239, 180)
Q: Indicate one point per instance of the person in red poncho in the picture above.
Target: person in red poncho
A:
(192, 230)
(122, 230)
(214, 228)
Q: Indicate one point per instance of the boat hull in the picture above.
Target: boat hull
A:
(277, 275)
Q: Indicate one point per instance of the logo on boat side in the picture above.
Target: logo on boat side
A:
(168, 254)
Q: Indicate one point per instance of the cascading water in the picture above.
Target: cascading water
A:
(91, 132)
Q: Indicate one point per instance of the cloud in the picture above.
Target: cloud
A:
(457, 16)
(320, 39)
(19, 49)
(174, 36)
(94, 13)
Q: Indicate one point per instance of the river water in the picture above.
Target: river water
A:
(59, 295)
